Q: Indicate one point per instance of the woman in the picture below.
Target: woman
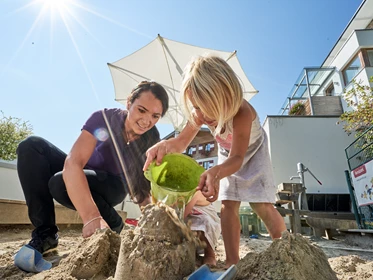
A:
(103, 166)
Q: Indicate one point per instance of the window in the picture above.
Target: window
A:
(330, 90)
(211, 146)
(192, 150)
(205, 165)
(370, 57)
(208, 148)
(329, 202)
(208, 164)
(352, 69)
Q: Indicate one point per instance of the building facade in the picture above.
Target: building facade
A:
(203, 148)
(306, 128)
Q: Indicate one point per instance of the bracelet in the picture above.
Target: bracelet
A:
(90, 221)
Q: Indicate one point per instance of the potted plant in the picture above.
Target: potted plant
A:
(298, 109)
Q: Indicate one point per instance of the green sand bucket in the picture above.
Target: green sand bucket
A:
(174, 181)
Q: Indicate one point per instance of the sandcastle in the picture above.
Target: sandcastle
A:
(292, 257)
(160, 247)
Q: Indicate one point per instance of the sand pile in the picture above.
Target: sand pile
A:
(94, 258)
(292, 257)
(352, 267)
(349, 262)
(160, 247)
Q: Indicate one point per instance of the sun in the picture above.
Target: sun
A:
(56, 5)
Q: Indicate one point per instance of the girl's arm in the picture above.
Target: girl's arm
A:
(197, 199)
(242, 122)
(174, 145)
(77, 184)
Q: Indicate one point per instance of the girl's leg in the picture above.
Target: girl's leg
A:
(271, 217)
(209, 252)
(231, 229)
(38, 160)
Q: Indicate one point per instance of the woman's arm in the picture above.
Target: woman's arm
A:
(77, 184)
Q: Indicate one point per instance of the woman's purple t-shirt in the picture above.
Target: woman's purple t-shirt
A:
(104, 156)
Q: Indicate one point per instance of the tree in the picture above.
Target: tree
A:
(360, 98)
(358, 121)
(12, 132)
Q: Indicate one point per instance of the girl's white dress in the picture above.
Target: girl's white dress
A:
(205, 218)
(253, 182)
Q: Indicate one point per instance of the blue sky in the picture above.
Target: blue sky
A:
(53, 70)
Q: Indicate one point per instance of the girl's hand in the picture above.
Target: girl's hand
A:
(90, 227)
(209, 184)
(157, 152)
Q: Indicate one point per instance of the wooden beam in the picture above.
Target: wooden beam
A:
(15, 212)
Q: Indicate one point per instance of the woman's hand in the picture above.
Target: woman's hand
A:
(90, 227)
(209, 184)
(157, 153)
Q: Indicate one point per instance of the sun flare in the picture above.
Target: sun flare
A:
(56, 5)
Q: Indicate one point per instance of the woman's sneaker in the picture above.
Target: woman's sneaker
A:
(44, 244)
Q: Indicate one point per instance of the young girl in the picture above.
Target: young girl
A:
(244, 170)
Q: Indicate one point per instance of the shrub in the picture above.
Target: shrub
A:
(12, 131)
(297, 109)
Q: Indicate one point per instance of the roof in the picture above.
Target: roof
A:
(172, 134)
(360, 20)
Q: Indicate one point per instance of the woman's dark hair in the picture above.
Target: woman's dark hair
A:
(134, 160)
(158, 91)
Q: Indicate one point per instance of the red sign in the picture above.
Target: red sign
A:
(359, 171)
(362, 179)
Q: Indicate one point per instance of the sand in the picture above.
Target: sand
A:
(160, 247)
(292, 257)
(348, 257)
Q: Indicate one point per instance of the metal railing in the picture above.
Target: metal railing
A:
(360, 151)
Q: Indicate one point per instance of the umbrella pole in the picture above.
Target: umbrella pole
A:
(129, 183)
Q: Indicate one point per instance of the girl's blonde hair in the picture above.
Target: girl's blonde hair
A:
(214, 87)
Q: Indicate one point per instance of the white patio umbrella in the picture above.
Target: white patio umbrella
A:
(163, 61)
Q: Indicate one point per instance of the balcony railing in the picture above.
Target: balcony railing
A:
(308, 84)
(360, 151)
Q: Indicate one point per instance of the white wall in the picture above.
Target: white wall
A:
(348, 50)
(358, 39)
(10, 188)
(365, 37)
(315, 141)
(132, 209)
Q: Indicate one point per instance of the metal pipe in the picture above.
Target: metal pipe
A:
(309, 93)
(303, 196)
(353, 200)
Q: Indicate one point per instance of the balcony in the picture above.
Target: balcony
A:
(309, 95)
